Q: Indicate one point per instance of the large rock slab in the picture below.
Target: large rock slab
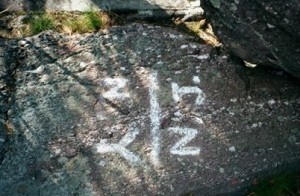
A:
(260, 32)
(107, 5)
(143, 110)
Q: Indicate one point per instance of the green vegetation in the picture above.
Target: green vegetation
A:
(91, 21)
(285, 184)
(87, 22)
(63, 22)
(41, 23)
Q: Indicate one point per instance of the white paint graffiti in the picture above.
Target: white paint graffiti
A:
(196, 79)
(188, 134)
(180, 147)
(154, 117)
(117, 91)
(104, 147)
(178, 93)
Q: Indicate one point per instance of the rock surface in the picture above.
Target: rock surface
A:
(106, 5)
(143, 110)
(260, 32)
(2, 98)
(7, 67)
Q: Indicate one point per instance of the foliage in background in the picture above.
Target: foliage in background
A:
(87, 22)
(64, 22)
(30, 23)
(41, 23)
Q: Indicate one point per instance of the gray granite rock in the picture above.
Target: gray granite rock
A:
(138, 110)
(3, 95)
(107, 5)
(260, 32)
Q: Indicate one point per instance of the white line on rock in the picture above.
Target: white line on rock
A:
(180, 147)
(178, 92)
(104, 147)
(154, 117)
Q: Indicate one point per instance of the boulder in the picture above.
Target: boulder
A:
(143, 110)
(105, 5)
(260, 32)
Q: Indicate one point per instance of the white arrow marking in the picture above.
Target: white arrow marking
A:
(154, 117)
(104, 147)
(178, 92)
(179, 148)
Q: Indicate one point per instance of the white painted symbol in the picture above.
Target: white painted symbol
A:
(154, 117)
(178, 92)
(116, 92)
(180, 147)
(188, 134)
(196, 79)
(104, 147)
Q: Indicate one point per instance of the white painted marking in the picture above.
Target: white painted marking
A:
(116, 92)
(196, 80)
(179, 148)
(178, 92)
(104, 147)
(200, 57)
(154, 117)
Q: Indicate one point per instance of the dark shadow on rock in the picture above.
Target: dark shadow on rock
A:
(265, 33)
(7, 83)
(33, 5)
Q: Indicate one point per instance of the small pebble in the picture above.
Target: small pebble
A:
(222, 170)
(203, 56)
(270, 26)
(254, 125)
(234, 100)
(22, 43)
(82, 65)
(184, 46)
(172, 36)
(271, 102)
(196, 79)
(115, 38)
(178, 114)
(232, 149)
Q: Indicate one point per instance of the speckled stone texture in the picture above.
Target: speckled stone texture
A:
(143, 110)
(265, 33)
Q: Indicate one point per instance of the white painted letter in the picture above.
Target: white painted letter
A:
(154, 117)
(117, 84)
(178, 92)
(179, 148)
(104, 147)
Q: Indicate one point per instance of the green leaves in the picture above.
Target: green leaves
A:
(41, 23)
(216, 3)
